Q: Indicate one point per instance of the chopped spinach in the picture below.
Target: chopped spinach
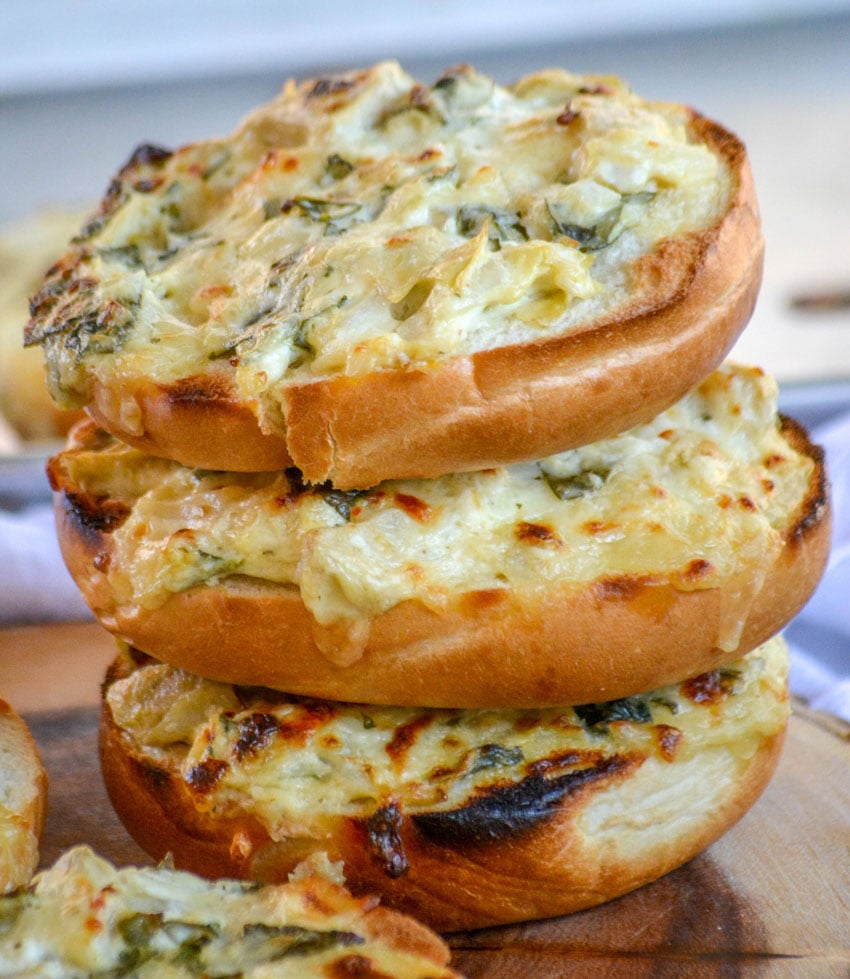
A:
(99, 331)
(592, 238)
(578, 484)
(597, 717)
(267, 943)
(502, 224)
(493, 755)
(337, 167)
(11, 906)
(334, 215)
(151, 936)
(343, 500)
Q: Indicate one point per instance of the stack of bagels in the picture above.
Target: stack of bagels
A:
(437, 536)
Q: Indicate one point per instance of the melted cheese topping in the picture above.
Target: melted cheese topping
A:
(83, 917)
(366, 222)
(295, 763)
(702, 495)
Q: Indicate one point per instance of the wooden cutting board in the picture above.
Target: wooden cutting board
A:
(772, 898)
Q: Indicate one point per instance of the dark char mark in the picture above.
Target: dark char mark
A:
(510, 810)
(94, 516)
(816, 506)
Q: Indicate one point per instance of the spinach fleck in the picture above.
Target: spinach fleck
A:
(597, 717)
(502, 224)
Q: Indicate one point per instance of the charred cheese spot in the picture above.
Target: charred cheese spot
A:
(697, 569)
(508, 811)
(708, 688)
(202, 778)
(669, 740)
(383, 832)
(405, 737)
(537, 534)
(255, 732)
(462, 777)
(96, 514)
(414, 507)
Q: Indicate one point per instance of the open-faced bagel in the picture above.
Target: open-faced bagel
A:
(462, 818)
(373, 278)
(604, 570)
(23, 801)
(84, 917)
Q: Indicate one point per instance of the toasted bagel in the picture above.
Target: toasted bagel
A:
(28, 247)
(376, 279)
(23, 801)
(462, 818)
(592, 574)
(84, 917)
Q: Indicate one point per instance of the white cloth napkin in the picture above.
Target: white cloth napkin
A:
(820, 636)
(36, 587)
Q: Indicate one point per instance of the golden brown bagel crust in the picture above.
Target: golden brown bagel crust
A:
(23, 801)
(510, 649)
(606, 835)
(684, 305)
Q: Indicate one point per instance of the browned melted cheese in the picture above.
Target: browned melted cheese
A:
(458, 774)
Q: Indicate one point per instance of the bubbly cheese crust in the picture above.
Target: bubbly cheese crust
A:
(295, 764)
(705, 489)
(368, 221)
(84, 917)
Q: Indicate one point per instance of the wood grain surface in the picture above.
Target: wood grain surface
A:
(772, 898)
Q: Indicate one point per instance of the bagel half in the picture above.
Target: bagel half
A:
(23, 801)
(28, 247)
(462, 818)
(84, 917)
(373, 279)
(618, 567)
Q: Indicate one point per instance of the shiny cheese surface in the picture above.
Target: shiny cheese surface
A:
(368, 221)
(704, 490)
(295, 763)
(83, 917)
